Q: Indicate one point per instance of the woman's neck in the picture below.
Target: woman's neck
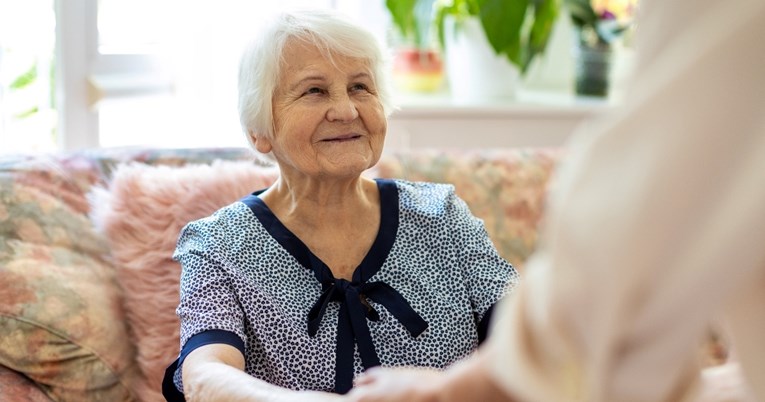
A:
(320, 201)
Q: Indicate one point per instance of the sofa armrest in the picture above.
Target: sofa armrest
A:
(15, 387)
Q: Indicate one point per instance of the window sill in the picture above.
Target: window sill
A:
(532, 119)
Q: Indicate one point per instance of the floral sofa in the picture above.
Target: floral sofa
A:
(87, 282)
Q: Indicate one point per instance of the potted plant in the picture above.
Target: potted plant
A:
(598, 23)
(417, 65)
(489, 44)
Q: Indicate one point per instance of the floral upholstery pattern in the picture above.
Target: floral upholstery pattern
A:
(70, 176)
(16, 387)
(504, 188)
(62, 320)
(61, 316)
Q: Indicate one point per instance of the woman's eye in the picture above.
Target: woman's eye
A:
(358, 87)
(313, 90)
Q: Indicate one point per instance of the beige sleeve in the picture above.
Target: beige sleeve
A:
(656, 222)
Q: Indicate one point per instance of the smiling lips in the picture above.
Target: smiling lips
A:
(342, 138)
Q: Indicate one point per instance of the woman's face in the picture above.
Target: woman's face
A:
(328, 120)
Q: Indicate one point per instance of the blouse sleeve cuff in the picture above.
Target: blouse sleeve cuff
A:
(215, 336)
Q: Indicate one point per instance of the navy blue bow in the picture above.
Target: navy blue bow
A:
(351, 322)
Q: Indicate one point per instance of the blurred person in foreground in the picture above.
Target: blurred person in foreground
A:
(656, 227)
(291, 292)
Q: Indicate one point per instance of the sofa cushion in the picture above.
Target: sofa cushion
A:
(15, 387)
(141, 214)
(61, 315)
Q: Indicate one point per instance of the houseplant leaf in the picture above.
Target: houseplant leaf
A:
(516, 29)
(26, 79)
(502, 22)
(545, 14)
(414, 20)
(402, 13)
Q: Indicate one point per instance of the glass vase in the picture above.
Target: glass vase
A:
(593, 69)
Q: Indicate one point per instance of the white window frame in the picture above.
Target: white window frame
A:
(85, 76)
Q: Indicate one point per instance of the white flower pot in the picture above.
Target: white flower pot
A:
(475, 72)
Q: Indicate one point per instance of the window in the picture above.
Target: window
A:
(172, 82)
(162, 73)
(27, 38)
(129, 73)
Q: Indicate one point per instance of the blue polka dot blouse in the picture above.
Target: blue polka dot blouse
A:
(421, 297)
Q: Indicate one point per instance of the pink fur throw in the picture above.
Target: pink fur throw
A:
(141, 214)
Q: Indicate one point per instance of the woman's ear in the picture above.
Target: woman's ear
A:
(261, 143)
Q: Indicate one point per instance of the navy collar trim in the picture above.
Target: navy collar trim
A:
(353, 313)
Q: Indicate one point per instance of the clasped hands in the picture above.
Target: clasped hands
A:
(724, 382)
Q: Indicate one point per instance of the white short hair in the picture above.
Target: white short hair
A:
(261, 62)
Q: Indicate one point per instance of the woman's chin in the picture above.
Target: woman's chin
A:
(348, 165)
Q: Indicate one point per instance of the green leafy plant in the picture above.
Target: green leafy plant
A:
(516, 29)
(26, 79)
(413, 20)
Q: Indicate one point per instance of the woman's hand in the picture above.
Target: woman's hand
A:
(468, 380)
(214, 372)
(403, 384)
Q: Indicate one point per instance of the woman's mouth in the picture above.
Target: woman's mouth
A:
(342, 138)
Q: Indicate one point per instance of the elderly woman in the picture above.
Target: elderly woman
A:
(296, 289)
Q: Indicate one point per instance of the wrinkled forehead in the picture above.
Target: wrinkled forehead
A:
(299, 53)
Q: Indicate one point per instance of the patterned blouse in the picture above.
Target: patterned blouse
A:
(422, 296)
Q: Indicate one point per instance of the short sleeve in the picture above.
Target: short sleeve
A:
(207, 299)
(488, 276)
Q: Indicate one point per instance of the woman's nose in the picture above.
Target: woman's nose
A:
(342, 108)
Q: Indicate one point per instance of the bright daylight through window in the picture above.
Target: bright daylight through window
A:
(27, 108)
(164, 78)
